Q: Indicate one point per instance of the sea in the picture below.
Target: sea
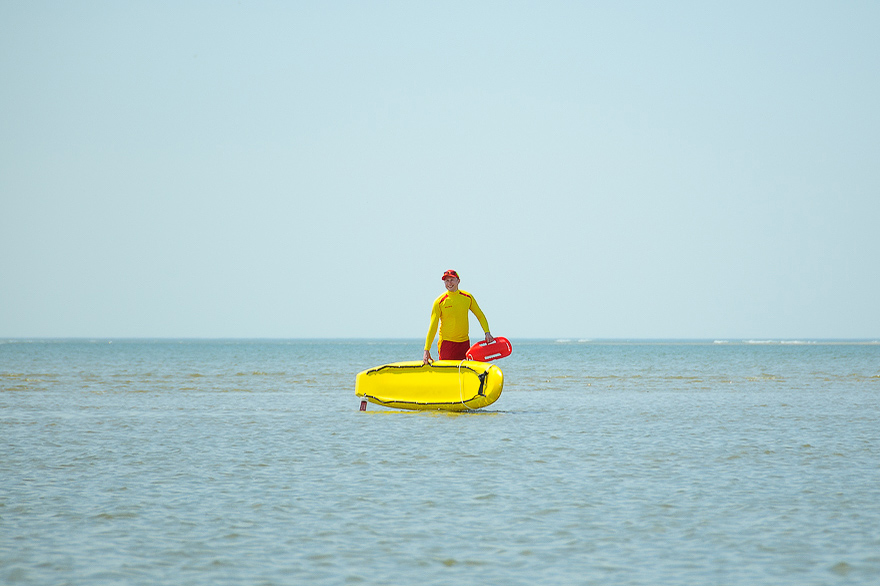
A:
(604, 462)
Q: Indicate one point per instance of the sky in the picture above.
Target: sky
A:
(309, 169)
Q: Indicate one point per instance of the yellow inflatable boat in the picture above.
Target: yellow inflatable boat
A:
(448, 385)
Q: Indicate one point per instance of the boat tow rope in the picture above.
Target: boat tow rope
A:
(461, 385)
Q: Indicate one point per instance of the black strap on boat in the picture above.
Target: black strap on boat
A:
(482, 378)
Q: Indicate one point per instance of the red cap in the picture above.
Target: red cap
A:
(451, 273)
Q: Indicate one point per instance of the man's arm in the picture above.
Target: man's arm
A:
(475, 308)
(432, 331)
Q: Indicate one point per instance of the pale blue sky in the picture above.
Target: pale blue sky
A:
(309, 169)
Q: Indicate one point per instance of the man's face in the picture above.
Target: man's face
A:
(451, 283)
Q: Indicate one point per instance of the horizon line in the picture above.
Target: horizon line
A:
(557, 339)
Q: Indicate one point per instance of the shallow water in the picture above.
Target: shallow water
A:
(248, 462)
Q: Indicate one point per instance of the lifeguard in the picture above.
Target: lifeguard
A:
(450, 313)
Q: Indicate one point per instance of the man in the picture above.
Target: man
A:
(450, 312)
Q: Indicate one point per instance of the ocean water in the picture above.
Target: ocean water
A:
(248, 462)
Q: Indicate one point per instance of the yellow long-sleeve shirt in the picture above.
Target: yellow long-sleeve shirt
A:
(450, 312)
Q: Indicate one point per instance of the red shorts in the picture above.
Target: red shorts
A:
(453, 350)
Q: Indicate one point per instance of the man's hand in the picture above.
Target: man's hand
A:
(489, 338)
(427, 358)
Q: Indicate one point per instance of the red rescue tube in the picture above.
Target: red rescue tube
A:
(484, 351)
